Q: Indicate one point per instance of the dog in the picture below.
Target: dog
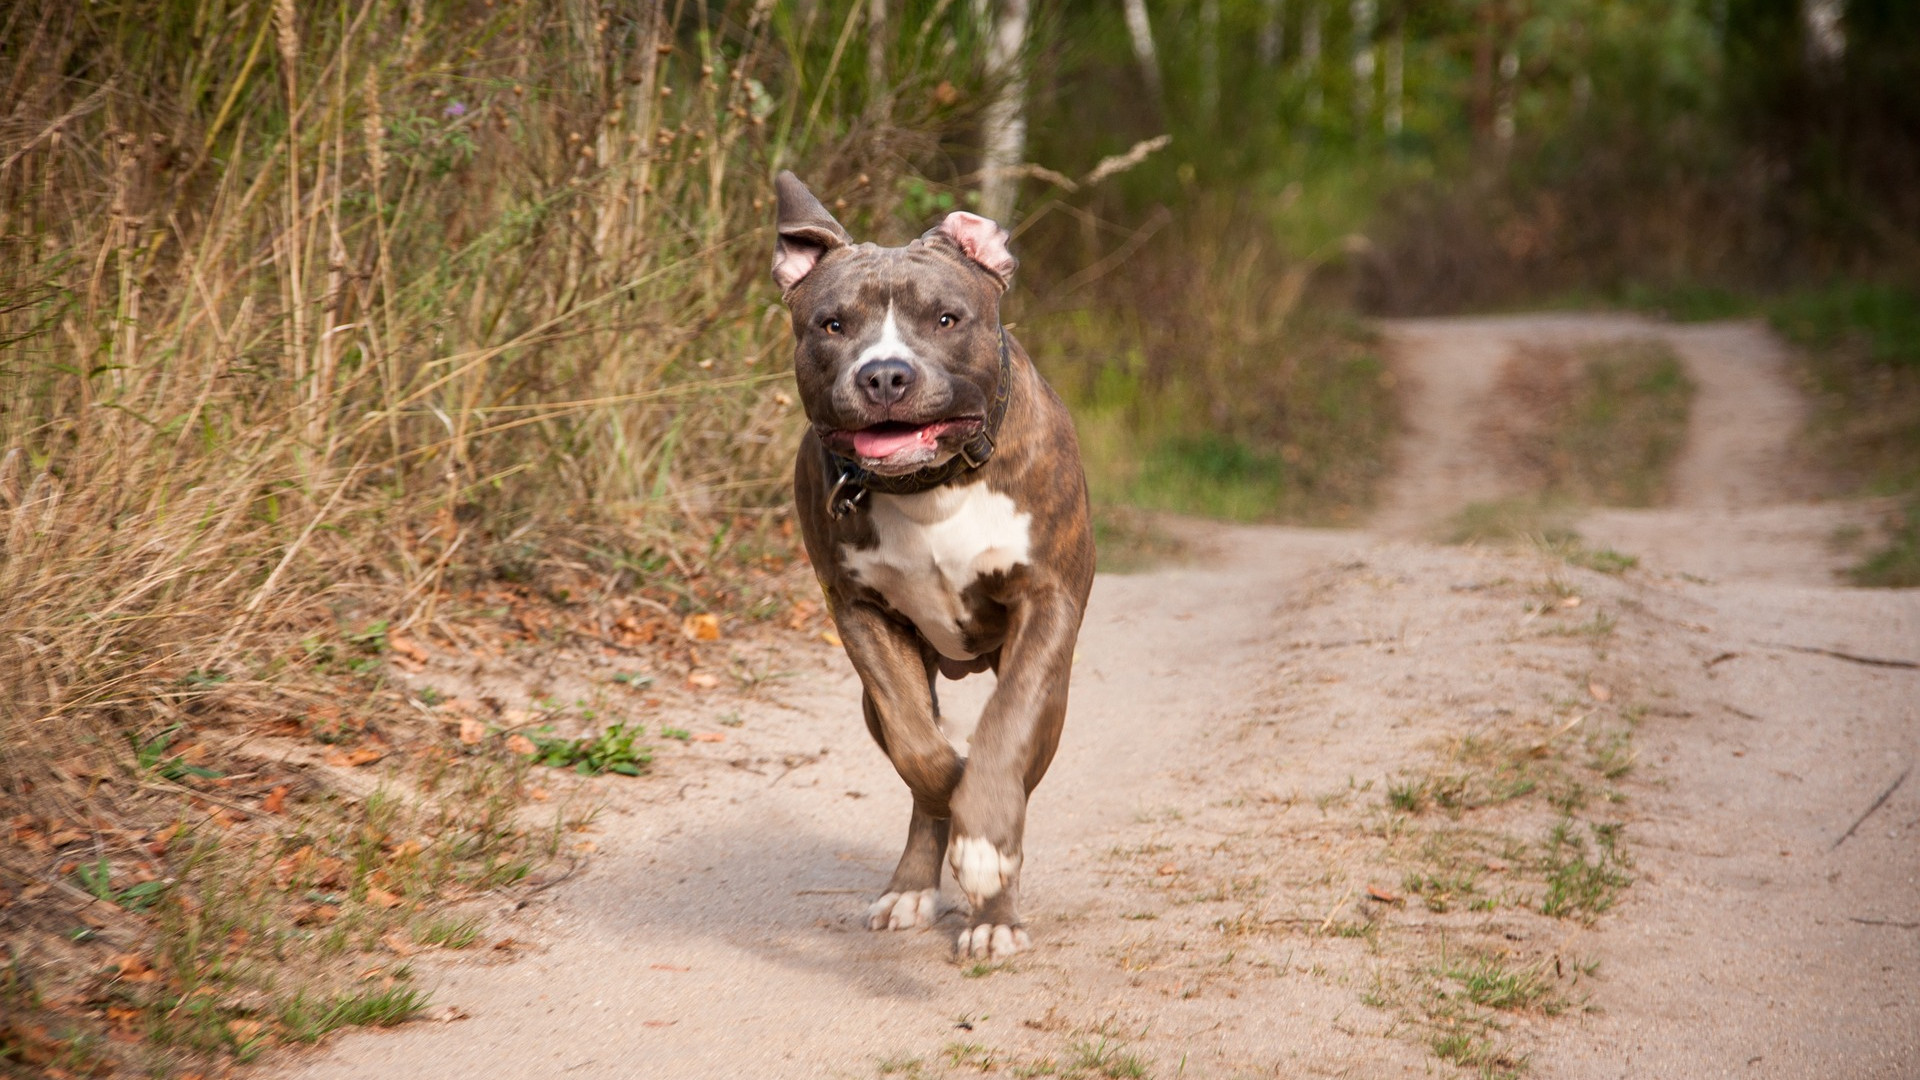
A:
(941, 498)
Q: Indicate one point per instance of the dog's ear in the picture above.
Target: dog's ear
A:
(981, 240)
(806, 231)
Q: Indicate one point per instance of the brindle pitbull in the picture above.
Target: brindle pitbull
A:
(943, 504)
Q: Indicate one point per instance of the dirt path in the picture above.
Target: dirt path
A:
(1262, 740)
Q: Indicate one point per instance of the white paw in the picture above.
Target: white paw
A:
(986, 942)
(904, 910)
(980, 869)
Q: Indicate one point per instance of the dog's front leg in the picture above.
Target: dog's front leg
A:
(898, 702)
(1010, 752)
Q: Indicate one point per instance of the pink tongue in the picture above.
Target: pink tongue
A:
(880, 444)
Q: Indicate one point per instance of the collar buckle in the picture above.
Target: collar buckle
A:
(847, 496)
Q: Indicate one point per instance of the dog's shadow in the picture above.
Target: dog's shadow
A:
(787, 892)
(786, 882)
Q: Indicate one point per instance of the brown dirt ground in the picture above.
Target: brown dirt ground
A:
(1202, 855)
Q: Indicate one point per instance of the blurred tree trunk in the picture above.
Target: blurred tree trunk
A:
(879, 92)
(1364, 63)
(1481, 98)
(1273, 31)
(1209, 62)
(1004, 126)
(1825, 32)
(1140, 32)
(1310, 53)
(1396, 78)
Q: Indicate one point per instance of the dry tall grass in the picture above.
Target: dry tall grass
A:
(303, 299)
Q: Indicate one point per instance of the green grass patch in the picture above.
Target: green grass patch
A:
(1600, 424)
(1269, 416)
(1584, 878)
(1860, 350)
(1494, 982)
(1539, 521)
(612, 750)
(309, 1019)
(1131, 540)
(1897, 564)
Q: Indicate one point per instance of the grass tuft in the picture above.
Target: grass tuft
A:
(309, 1019)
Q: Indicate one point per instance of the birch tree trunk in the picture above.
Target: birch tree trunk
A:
(1273, 31)
(1140, 31)
(1209, 62)
(1396, 79)
(1005, 123)
(879, 93)
(1363, 12)
(1310, 53)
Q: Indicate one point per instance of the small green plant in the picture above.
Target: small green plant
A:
(449, 933)
(612, 750)
(633, 680)
(1489, 981)
(1407, 796)
(681, 734)
(1106, 1058)
(1582, 884)
(1613, 754)
(150, 756)
(307, 1019)
(1605, 560)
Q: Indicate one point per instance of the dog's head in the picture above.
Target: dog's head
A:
(897, 350)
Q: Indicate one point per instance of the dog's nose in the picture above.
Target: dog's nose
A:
(885, 382)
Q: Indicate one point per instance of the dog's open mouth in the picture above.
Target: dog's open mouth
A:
(894, 442)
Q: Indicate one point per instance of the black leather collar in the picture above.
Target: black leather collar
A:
(849, 483)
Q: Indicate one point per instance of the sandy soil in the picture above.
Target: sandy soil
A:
(1203, 853)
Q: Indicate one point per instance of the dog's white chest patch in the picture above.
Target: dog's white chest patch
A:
(931, 546)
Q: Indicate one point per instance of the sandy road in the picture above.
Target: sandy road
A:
(1201, 854)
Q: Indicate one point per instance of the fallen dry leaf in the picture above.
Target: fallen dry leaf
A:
(447, 1015)
(703, 627)
(397, 943)
(1384, 895)
(471, 731)
(276, 800)
(658, 1023)
(668, 967)
(319, 913)
(520, 744)
(1599, 691)
(701, 680)
(129, 965)
(365, 755)
(539, 794)
(1168, 870)
(381, 898)
(830, 638)
(709, 736)
(408, 648)
(244, 1031)
(803, 611)
(1570, 602)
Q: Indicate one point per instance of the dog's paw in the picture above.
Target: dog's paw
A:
(989, 942)
(980, 869)
(904, 910)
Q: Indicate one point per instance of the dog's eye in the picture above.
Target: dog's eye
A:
(832, 326)
(949, 319)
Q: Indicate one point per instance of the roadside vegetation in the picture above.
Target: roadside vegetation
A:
(1857, 344)
(1594, 426)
